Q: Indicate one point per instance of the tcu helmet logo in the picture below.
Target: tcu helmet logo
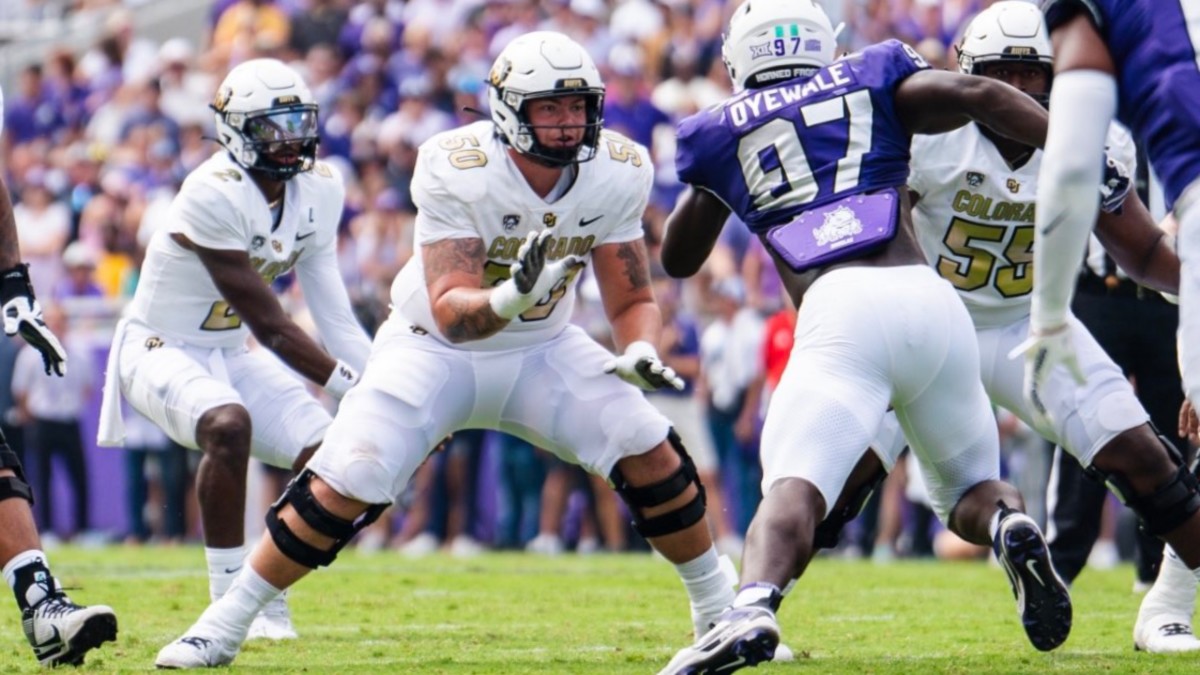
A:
(974, 178)
(511, 221)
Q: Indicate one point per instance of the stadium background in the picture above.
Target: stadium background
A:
(106, 112)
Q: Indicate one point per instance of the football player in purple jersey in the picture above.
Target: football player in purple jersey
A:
(1135, 60)
(813, 156)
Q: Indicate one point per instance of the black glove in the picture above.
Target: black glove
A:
(531, 258)
(23, 314)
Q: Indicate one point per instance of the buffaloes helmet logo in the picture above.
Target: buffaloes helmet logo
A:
(500, 73)
(222, 98)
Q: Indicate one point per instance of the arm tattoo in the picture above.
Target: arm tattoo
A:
(637, 269)
(453, 255)
(473, 319)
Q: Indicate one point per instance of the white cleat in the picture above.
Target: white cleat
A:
(62, 633)
(743, 637)
(1164, 634)
(194, 651)
(274, 622)
(545, 544)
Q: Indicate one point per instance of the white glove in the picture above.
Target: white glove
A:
(23, 315)
(532, 279)
(1043, 351)
(1114, 185)
(641, 367)
(341, 379)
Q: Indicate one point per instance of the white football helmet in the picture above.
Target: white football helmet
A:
(540, 65)
(1010, 30)
(774, 40)
(267, 119)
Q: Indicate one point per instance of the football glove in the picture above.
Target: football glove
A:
(1043, 351)
(1114, 185)
(23, 315)
(641, 367)
(532, 279)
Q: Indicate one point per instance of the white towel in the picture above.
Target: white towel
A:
(111, 431)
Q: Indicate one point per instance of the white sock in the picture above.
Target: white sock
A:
(707, 585)
(1173, 592)
(755, 593)
(224, 564)
(231, 616)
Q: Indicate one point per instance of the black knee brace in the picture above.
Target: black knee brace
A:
(13, 487)
(649, 496)
(300, 496)
(830, 529)
(1166, 508)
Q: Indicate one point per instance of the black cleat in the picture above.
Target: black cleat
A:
(742, 637)
(1042, 598)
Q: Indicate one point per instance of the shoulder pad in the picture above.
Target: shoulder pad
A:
(460, 161)
(619, 148)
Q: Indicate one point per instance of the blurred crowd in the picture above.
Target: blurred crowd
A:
(99, 136)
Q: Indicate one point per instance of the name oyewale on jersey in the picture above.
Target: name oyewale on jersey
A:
(761, 102)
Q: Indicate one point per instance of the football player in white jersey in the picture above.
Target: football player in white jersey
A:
(255, 210)
(60, 631)
(509, 211)
(974, 194)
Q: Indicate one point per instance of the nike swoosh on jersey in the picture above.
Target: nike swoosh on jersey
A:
(304, 236)
(583, 222)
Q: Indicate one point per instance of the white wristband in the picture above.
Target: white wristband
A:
(507, 302)
(341, 380)
(641, 350)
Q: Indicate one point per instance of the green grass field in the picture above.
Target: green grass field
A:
(513, 613)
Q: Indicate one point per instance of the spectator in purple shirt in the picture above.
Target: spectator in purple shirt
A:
(32, 113)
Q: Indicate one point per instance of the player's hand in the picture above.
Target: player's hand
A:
(1043, 351)
(1114, 186)
(641, 367)
(23, 315)
(532, 278)
(1189, 425)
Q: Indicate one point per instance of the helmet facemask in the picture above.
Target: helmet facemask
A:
(527, 143)
(278, 142)
(1009, 31)
(537, 66)
(266, 119)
